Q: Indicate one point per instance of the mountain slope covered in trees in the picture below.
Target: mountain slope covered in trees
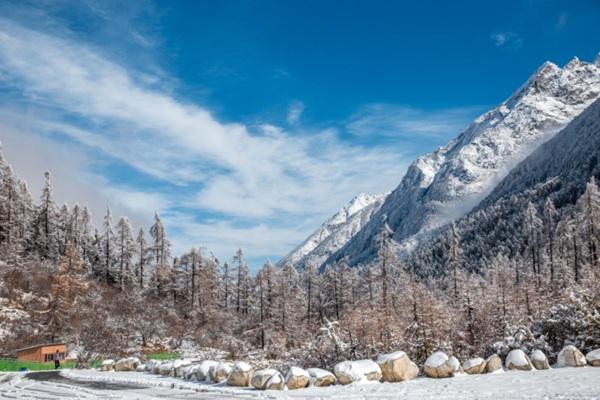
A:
(446, 184)
(545, 213)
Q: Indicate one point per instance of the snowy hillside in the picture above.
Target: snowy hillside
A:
(336, 231)
(446, 184)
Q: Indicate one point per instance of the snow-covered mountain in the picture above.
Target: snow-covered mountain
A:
(446, 184)
(336, 231)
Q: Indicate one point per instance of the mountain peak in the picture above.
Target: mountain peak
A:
(597, 59)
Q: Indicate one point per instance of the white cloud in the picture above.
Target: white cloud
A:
(294, 112)
(507, 39)
(264, 177)
(407, 122)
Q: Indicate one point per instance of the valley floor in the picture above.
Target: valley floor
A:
(565, 383)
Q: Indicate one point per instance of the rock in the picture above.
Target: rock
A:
(297, 378)
(153, 366)
(179, 366)
(438, 365)
(593, 358)
(320, 377)
(127, 364)
(107, 365)
(493, 364)
(518, 360)
(166, 369)
(261, 377)
(240, 375)
(276, 382)
(219, 372)
(570, 356)
(203, 370)
(397, 367)
(189, 372)
(141, 368)
(474, 366)
(539, 360)
(353, 371)
(455, 364)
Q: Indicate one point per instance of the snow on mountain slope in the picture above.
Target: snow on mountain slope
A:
(336, 231)
(446, 184)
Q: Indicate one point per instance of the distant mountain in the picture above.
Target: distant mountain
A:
(336, 231)
(446, 184)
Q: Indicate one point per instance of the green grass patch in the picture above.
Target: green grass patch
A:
(163, 356)
(10, 364)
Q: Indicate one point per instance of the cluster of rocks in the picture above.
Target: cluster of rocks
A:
(391, 367)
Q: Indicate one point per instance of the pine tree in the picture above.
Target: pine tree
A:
(108, 248)
(143, 258)
(125, 252)
(45, 225)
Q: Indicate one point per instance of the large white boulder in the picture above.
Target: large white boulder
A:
(570, 356)
(267, 379)
(493, 364)
(397, 367)
(474, 366)
(455, 364)
(127, 364)
(107, 365)
(297, 378)
(353, 371)
(593, 358)
(539, 359)
(320, 377)
(438, 365)
(240, 374)
(179, 367)
(203, 370)
(518, 360)
(220, 372)
(189, 372)
(166, 368)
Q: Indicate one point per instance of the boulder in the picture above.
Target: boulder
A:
(275, 382)
(141, 368)
(493, 364)
(593, 358)
(166, 369)
(320, 377)
(240, 374)
(474, 366)
(297, 378)
(127, 364)
(179, 366)
(455, 364)
(438, 365)
(203, 370)
(397, 367)
(107, 365)
(518, 360)
(153, 366)
(260, 379)
(353, 371)
(570, 356)
(219, 372)
(190, 371)
(539, 360)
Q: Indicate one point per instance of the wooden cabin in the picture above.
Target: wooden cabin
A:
(42, 352)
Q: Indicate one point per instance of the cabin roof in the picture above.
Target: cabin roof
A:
(40, 345)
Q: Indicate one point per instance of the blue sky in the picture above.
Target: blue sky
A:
(247, 123)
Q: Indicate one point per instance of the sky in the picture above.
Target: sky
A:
(246, 124)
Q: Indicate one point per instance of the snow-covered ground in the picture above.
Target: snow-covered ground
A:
(563, 383)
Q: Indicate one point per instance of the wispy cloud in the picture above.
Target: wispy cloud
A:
(507, 39)
(240, 185)
(294, 112)
(408, 122)
(561, 22)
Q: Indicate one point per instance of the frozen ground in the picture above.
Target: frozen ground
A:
(564, 383)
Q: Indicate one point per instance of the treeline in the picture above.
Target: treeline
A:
(110, 292)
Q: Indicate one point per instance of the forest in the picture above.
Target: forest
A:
(113, 291)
